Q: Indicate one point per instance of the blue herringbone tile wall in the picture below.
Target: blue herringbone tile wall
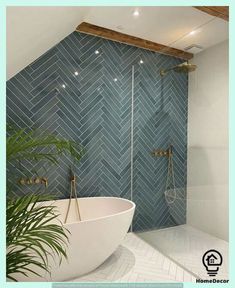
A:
(160, 119)
(93, 106)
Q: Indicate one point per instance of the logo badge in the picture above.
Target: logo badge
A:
(212, 260)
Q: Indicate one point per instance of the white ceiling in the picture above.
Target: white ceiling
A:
(31, 31)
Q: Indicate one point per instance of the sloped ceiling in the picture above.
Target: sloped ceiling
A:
(31, 31)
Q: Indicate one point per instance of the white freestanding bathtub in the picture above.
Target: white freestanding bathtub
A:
(105, 222)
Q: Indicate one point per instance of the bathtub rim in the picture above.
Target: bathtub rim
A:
(99, 218)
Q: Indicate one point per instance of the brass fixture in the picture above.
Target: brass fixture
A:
(181, 68)
(37, 180)
(170, 189)
(73, 194)
(44, 181)
(160, 152)
(31, 181)
(22, 181)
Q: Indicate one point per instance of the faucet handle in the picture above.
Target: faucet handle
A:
(44, 181)
(37, 180)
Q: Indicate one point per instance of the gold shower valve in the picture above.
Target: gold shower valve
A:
(160, 152)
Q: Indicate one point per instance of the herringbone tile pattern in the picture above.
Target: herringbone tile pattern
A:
(137, 261)
(186, 246)
(160, 120)
(85, 95)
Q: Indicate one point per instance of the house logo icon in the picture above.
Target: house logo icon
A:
(212, 260)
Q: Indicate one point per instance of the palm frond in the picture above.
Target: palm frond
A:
(27, 145)
(32, 235)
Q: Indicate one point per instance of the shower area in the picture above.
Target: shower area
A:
(129, 108)
(159, 144)
(160, 159)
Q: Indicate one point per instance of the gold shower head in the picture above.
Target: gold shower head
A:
(181, 68)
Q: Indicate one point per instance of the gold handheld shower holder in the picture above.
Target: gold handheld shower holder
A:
(160, 152)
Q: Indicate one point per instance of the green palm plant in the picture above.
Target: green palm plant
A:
(28, 145)
(32, 232)
(32, 236)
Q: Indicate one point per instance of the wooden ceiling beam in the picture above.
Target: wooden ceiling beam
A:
(91, 29)
(217, 11)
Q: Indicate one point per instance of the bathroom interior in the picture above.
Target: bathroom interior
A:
(124, 112)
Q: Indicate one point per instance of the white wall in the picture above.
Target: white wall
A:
(208, 142)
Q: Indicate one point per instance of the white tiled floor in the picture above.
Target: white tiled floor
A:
(186, 246)
(137, 261)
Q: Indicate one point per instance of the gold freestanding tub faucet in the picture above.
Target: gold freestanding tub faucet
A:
(73, 194)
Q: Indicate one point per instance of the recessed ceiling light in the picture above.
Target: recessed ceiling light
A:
(63, 85)
(141, 61)
(192, 32)
(136, 13)
(97, 51)
(76, 73)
